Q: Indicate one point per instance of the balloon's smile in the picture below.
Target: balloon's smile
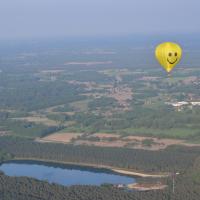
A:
(171, 62)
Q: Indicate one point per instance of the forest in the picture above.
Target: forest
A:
(22, 188)
(168, 160)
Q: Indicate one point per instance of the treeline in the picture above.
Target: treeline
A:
(179, 158)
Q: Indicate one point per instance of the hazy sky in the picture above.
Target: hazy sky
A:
(51, 18)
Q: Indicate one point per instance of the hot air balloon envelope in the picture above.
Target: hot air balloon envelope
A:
(168, 55)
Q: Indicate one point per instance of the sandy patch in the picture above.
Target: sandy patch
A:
(114, 140)
(59, 137)
(101, 143)
(133, 142)
(146, 186)
(106, 135)
(157, 142)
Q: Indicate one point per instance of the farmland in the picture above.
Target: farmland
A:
(92, 94)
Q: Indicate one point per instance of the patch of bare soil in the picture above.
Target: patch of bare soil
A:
(157, 143)
(146, 186)
(59, 137)
(116, 143)
(134, 142)
(106, 135)
(114, 140)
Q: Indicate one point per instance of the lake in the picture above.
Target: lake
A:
(64, 174)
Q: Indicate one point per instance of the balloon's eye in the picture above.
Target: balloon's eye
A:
(170, 54)
(175, 54)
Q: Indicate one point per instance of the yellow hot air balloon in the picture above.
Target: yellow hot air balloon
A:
(168, 55)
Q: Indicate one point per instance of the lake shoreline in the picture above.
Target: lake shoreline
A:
(121, 171)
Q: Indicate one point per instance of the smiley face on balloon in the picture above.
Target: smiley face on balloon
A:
(168, 55)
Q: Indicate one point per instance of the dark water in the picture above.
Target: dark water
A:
(64, 174)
